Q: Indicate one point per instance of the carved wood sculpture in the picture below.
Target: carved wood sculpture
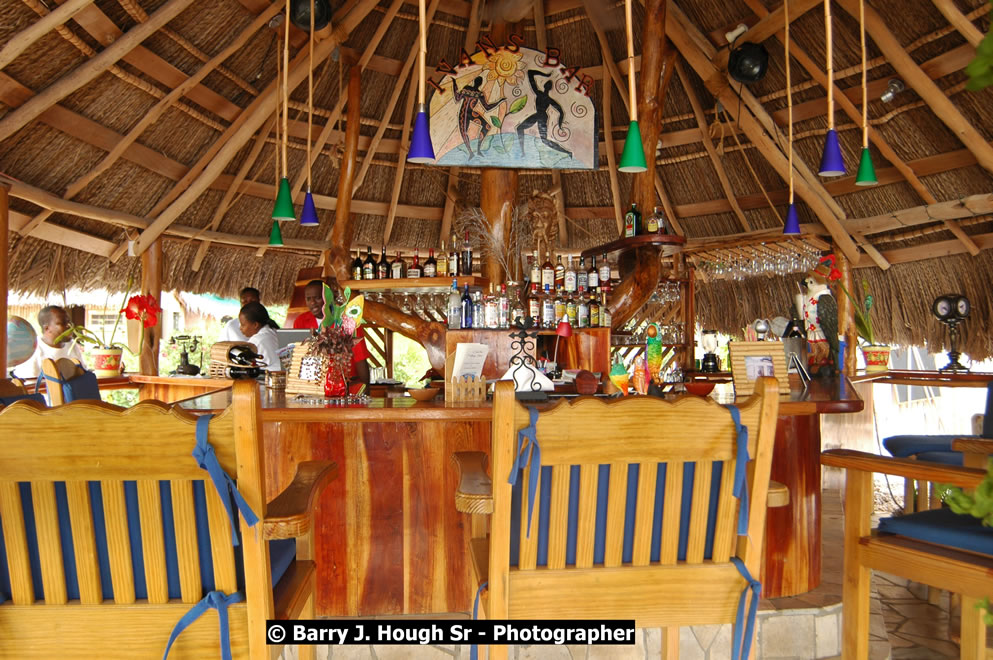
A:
(542, 215)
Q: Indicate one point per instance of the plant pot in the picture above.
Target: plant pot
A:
(877, 358)
(107, 362)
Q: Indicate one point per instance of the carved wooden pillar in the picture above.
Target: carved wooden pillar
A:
(4, 273)
(846, 313)
(151, 284)
(336, 259)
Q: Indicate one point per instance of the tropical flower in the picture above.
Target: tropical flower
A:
(143, 308)
(505, 67)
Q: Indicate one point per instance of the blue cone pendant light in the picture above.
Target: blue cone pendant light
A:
(308, 217)
(633, 156)
(275, 235)
(421, 149)
(792, 226)
(832, 163)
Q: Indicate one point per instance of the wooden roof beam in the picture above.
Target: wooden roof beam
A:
(959, 21)
(64, 236)
(24, 39)
(701, 121)
(698, 52)
(927, 251)
(769, 24)
(391, 212)
(911, 73)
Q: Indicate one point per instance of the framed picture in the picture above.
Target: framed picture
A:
(306, 374)
(750, 360)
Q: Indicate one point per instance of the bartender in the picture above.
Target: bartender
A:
(261, 332)
(313, 295)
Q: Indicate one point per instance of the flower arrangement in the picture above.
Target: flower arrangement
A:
(334, 339)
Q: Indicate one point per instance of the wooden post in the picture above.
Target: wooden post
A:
(336, 257)
(497, 198)
(4, 274)
(151, 284)
(846, 313)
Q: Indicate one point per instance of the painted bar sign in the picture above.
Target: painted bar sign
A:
(511, 106)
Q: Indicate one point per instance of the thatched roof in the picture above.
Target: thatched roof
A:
(922, 155)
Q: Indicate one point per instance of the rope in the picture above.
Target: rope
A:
(789, 94)
(756, 176)
(830, 63)
(286, 83)
(630, 37)
(310, 93)
(865, 93)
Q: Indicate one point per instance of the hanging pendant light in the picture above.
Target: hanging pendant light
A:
(275, 235)
(792, 225)
(866, 176)
(633, 156)
(832, 163)
(421, 149)
(308, 216)
(283, 209)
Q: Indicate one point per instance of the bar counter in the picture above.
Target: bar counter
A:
(389, 540)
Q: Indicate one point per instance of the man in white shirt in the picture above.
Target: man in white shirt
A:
(53, 321)
(232, 330)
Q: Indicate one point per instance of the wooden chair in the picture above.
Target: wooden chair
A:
(101, 516)
(67, 380)
(612, 569)
(13, 389)
(934, 547)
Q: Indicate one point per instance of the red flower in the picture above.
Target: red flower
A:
(144, 309)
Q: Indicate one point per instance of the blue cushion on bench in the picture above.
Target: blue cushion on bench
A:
(7, 400)
(282, 552)
(945, 457)
(942, 527)
(905, 446)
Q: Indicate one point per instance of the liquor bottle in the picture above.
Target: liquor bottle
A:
(559, 274)
(569, 280)
(477, 309)
(491, 311)
(582, 276)
(548, 309)
(604, 273)
(398, 268)
(571, 311)
(593, 276)
(466, 308)
(535, 269)
(583, 312)
(594, 312)
(503, 308)
(454, 307)
(357, 266)
(534, 305)
(430, 266)
(465, 268)
(547, 273)
(604, 311)
(632, 221)
(454, 267)
(559, 307)
(383, 267)
(653, 222)
(369, 265)
(441, 268)
(414, 270)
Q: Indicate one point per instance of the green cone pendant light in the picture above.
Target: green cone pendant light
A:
(866, 175)
(275, 235)
(283, 209)
(633, 156)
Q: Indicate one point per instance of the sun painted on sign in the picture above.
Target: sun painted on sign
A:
(514, 107)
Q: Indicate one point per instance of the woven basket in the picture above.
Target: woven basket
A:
(219, 363)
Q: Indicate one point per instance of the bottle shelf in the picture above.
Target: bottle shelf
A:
(416, 284)
(670, 244)
(543, 332)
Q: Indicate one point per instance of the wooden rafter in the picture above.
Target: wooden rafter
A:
(401, 164)
(940, 104)
(709, 146)
(23, 40)
(959, 21)
(64, 236)
(772, 22)
(607, 96)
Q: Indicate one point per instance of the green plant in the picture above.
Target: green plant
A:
(980, 69)
(863, 322)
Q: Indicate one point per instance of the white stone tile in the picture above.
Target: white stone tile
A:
(351, 652)
(788, 637)
(705, 635)
(689, 646)
(828, 632)
(542, 652)
(720, 648)
(323, 652)
(409, 652)
(653, 642)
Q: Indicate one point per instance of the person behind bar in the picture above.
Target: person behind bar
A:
(313, 296)
(261, 332)
(53, 321)
(232, 329)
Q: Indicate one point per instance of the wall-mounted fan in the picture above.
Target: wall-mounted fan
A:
(300, 14)
(952, 309)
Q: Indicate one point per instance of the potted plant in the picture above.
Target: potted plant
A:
(877, 356)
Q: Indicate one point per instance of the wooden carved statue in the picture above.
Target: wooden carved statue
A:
(542, 216)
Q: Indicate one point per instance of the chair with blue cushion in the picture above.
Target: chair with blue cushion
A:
(127, 531)
(644, 509)
(935, 547)
(13, 389)
(67, 380)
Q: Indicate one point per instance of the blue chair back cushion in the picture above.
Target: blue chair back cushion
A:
(600, 534)
(7, 400)
(942, 527)
(82, 387)
(281, 552)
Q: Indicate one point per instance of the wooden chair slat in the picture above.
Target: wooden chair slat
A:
(616, 503)
(671, 512)
(727, 513)
(16, 541)
(46, 520)
(528, 555)
(184, 520)
(697, 541)
(118, 543)
(84, 542)
(644, 514)
(153, 541)
(220, 542)
(586, 524)
(558, 516)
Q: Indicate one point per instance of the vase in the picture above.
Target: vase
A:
(107, 362)
(877, 358)
(335, 384)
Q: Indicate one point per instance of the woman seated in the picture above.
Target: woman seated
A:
(255, 324)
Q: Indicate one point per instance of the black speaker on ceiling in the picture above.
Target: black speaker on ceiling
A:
(748, 63)
(300, 14)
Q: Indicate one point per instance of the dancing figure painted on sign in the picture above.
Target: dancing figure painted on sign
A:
(543, 101)
(469, 96)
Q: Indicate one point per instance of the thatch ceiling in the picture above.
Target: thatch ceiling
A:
(922, 156)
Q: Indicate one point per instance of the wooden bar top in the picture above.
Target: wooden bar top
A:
(925, 378)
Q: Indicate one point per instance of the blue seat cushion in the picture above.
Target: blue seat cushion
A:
(282, 552)
(945, 457)
(905, 446)
(7, 400)
(942, 527)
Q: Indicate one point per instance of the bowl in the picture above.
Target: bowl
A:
(423, 393)
(699, 387)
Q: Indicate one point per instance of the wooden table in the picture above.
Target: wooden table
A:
(175, 388)
(925, 378)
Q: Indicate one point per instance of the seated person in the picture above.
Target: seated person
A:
(232, 329)
(314, 298)
(260, 330)
(53, 321)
